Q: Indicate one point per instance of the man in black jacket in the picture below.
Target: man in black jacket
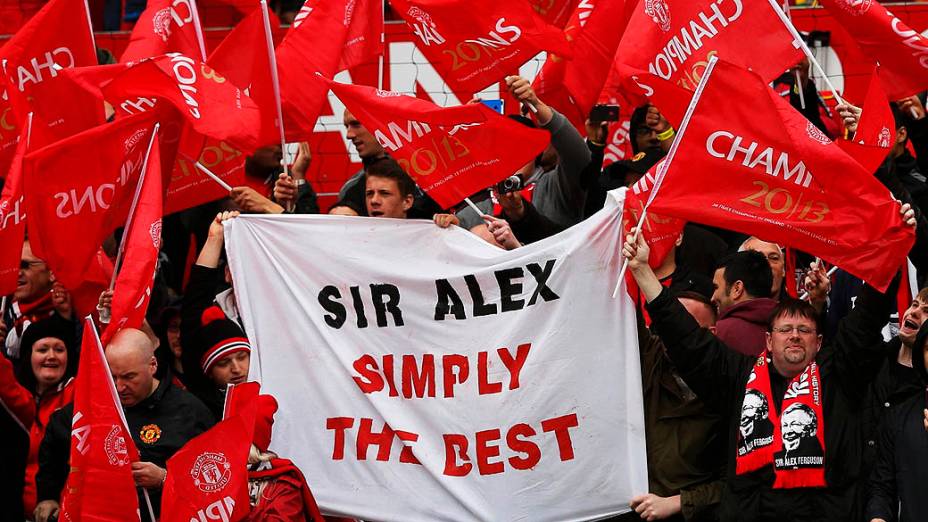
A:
(161, 419)
(792, 371)
(897, 484)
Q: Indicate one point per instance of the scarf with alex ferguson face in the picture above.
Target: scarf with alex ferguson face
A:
(793, 441)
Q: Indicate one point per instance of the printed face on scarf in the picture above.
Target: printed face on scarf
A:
(793, 343)
(753, 409)
(797, 423)
(35, 279)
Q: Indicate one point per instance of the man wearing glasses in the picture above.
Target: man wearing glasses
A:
(813, 393)
(32, 301)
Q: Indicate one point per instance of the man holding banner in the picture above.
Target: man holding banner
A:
(795, 372)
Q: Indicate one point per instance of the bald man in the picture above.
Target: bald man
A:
(161, 419)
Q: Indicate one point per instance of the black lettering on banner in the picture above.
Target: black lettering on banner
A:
(358, 306)
(508, 289)
(448, 301)
(541, 275)
(386, 298)
(327, 299)
(480, 307)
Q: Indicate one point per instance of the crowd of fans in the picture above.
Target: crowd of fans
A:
(723, 346)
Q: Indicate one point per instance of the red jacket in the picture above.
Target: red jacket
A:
(33, 415)
(286, 498)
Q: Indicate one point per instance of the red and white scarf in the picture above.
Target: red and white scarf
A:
(798, 461)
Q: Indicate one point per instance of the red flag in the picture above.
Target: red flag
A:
(876, 130)
(100, 486)
(901, 51)
(189, 187)
(674, 39)
(88, 202)
(57, 37)
(660, 232)
(324, 39)
(243, 59)
(208, 477)
(84, 298)
(12, 220)
(556, 12)
(760, 168)
(142, 243)
(594, 36)
(212, 105)
(640, 87)
(451, 153)
(165, 26)
(473, 43)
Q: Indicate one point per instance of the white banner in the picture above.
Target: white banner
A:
(423, 374)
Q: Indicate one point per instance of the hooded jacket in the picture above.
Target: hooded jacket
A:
(743, 326)
(897, 484)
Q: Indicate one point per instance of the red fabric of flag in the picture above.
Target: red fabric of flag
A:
(100, 487)
(57, 37)
(12, 221)
(165, 26)
(900, 50)
(88, 202)
(674, 39)
(760, 168)
(243, 59)
(474, 43)
(326, 37)
(140, 257)
(210, 103)
(451, 153)
(209, 475)
(556, 12)
(876, 130)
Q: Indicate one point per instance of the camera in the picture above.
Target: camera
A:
(510, 184)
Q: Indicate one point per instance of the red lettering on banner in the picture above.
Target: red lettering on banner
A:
(561, 426)
(383, 440)
(485, 452)
(523, 452)
(415, 378)
(452, 468)
(339, 425)
(485, 387)
(418, 375)
(451, 377)
(529, 448)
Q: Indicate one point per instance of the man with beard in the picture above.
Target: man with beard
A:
(794, 370)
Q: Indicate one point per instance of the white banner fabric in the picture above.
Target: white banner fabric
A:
(423, 374)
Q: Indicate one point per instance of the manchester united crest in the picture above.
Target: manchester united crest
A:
(115, 447)
(211, 472)
(150, 433)
(817, 134)
(855, 7)
(659, 12)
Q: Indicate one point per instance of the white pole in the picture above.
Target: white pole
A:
(831, 271)
(805, 48)
(801, 90)
(383, 43)
(90, 26)
(272, 61)
(135, 201)
(663, 167)
(210, 173)
(199, 30)
(474, 207)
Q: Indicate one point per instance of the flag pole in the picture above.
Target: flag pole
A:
(799, 88)
(93, 40)
(272, 61)
(383, 17)
(665, 166)
(198, 29)
(805, 48)
(210, 173)
(135, 201)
